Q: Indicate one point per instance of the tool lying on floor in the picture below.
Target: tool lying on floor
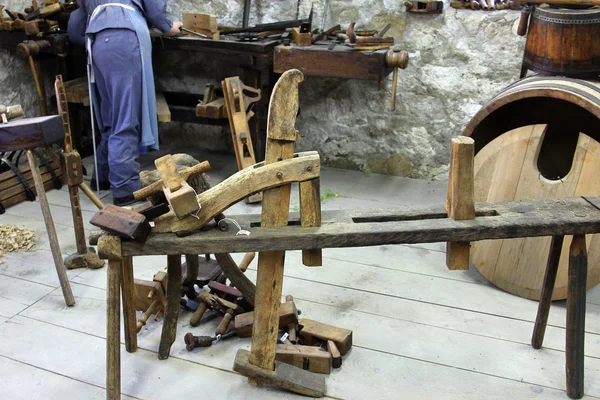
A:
(367, 42)
(191, 341)
(85, 256)
(150, 298)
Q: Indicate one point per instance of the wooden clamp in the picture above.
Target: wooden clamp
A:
(460, 200)
(179, 194)
(157, 186)
(304, 166)
(236, 105)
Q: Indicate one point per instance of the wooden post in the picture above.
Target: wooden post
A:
(547, 288)
(460, 201)
(109, 247)
(310, 215)
(576, 298)
(281, 136)
(52, 238)
(128, 296)
(169, 330)
(113, 342)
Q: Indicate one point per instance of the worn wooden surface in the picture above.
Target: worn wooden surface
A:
(157, 186)
(341, 62)
(539, 329)
(576, 298)
(169, 330)
(310, 358)
(61, 271)
(358, 228)
(179, 194)
(128, 299)
(239, 186)
(122, 222)
(29, 133)
(312, 331)
(244, 322)
(310, 215)
(285, 376)
(460, 201)
(508, 169)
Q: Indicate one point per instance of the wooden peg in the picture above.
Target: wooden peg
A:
(460, 200)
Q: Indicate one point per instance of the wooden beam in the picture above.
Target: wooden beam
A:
(359, 228)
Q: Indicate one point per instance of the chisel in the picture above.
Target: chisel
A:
(194, 33)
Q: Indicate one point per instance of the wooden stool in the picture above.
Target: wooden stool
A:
(27, 134)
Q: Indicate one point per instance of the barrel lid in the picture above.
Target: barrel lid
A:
(567, 15)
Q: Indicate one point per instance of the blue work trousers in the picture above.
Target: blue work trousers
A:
(118, 74)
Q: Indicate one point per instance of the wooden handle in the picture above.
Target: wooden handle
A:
(151, 310)
(156, 187)
(91, 195)
(227, 318)
(197, 316)
(524, 21)
(246, 261)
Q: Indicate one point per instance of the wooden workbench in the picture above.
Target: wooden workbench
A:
(352, 228)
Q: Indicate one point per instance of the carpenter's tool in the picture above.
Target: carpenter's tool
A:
(180, 195)
(215, 303)
(85, 256)
(396, 59)
(10, 112)
(44, 11)
(324, 35)
(191, 341)
(195, 33)
(28, 49)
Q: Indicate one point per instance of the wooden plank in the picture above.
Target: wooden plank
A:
(162, 108)
(313, 331)
(313, 359)
(29, 133)
(527, 218)
(128, 299)
(218, 198)
(206, 22)
(460, 201)
(285, 376)
(244, 322)
(113, 332)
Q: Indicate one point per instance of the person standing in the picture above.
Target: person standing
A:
(117, 40)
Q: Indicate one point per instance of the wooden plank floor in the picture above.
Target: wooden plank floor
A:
(420, 331)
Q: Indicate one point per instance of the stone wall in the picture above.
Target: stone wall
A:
(458, 60)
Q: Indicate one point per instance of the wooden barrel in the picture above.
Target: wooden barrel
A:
(538, 138)
(562, 41)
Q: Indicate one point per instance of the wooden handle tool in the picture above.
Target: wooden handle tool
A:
(396, 59)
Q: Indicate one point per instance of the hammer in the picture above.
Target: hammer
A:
(396, 59)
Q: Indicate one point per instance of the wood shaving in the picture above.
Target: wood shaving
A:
(13, 238)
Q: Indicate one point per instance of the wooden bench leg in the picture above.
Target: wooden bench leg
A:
(128, 296)
(310, 215)
(169, 330)
(576, 298)
(113, 340)
(61, 271)
(547, 289)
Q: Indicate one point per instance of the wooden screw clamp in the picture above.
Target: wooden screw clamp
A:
(396, 59)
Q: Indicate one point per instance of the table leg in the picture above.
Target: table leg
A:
(169, 330)
(54, 246)
(576, 298)
(113, 342)
(128, 296)
(547, 288)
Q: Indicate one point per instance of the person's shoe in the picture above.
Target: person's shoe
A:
(103, 185)
(124, 201)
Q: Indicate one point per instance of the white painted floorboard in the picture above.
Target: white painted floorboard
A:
(420, 331)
